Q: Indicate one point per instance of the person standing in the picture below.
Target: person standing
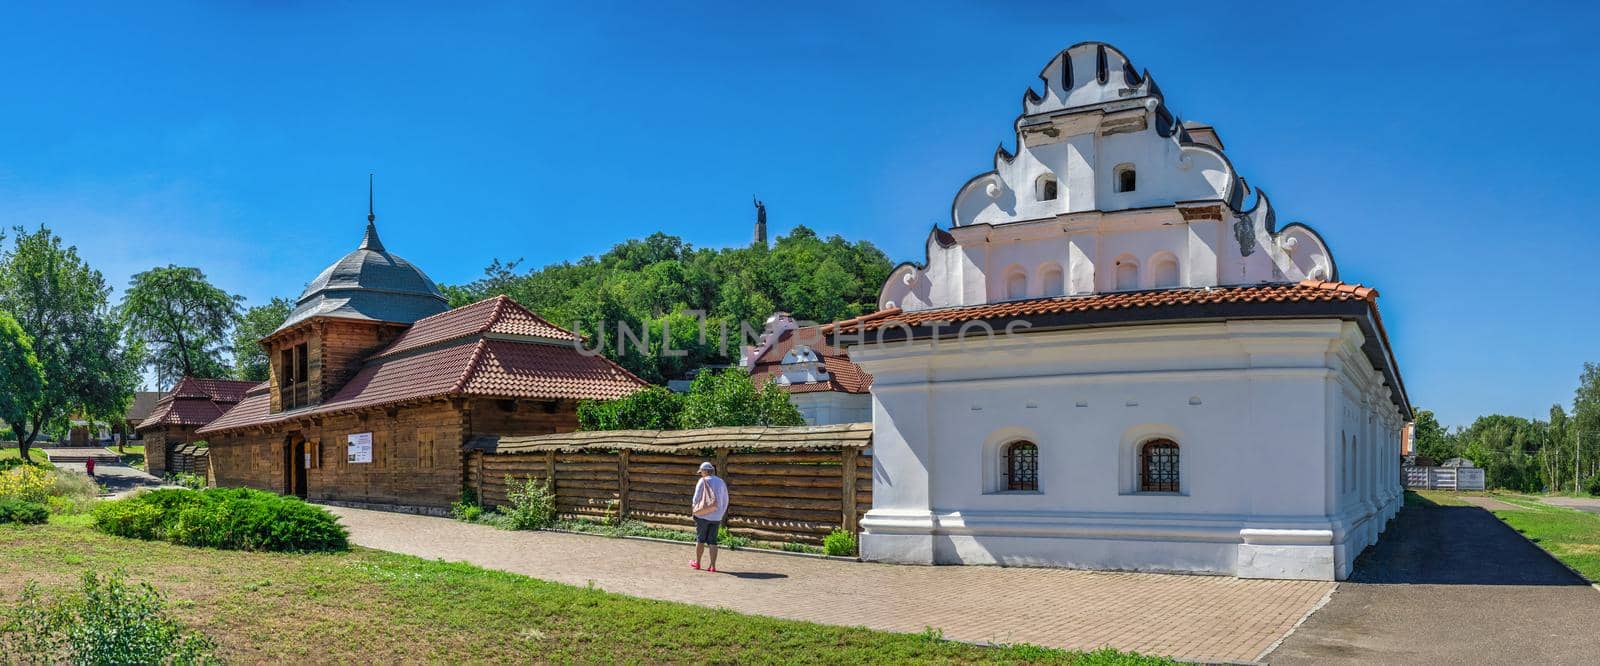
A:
(709, 505)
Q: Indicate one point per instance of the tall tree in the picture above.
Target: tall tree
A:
(62, 304)
(21, 376)
(182, 320)
(249, 359)
(1431, 440)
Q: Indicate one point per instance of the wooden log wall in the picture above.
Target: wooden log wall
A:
(786, 496)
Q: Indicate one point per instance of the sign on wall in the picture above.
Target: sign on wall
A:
(359, 448)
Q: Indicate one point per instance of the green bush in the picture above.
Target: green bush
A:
(186, 480)
(533, 504)
(23, 512)
(107, 622)
(727, 540)
(467, 508)
(226, 518)
(654, 408)
(839, 542)
(1594, 485)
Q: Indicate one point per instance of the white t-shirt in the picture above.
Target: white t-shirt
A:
(716, 485)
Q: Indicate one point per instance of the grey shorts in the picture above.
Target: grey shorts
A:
(705, 531)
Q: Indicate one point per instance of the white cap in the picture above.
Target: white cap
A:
(707, 467)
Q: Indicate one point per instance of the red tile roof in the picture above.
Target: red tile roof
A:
(499, 315)
(1311, 298)
(196, 401)
(1304, 291)
(843, 376)
(463, 353)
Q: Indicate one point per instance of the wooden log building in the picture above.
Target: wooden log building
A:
(174, 419)
(376, 385)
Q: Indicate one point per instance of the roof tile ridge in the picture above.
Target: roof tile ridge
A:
(478, 351)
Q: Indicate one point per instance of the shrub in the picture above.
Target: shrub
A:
(226, 518)
(22, 512)
(839, 542)
(1594, 485)
(533, 504)
(72, 492)
(655, 408)
(186, 480)
(467, 508)
(727, 540)
(107, 622)
(30, 483)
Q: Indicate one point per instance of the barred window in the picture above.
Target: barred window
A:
(1158, 466)
(1022, 466)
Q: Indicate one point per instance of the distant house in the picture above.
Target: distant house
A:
(144, 402)
(820, 379)
(190, 405)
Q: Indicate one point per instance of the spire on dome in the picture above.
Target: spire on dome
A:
(370, 241)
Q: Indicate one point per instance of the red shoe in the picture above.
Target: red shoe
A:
(711, 569)
(694, 565)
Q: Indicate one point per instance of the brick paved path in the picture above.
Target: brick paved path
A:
(1206, 618)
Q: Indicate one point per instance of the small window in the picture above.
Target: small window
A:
(1127, 178)
(1022, 466)
(1055, 284)
(302, 370)
(1165, 269)
(1127, 274)
(1158, 466)
(1017, 285)
(1046, 187)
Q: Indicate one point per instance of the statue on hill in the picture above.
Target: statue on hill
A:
(761, 223)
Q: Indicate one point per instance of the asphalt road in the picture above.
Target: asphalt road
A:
(1452, 585)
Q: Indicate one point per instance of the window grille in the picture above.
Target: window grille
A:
(1022, 466)
(1158, 467)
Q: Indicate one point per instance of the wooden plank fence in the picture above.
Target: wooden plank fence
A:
(784, 484)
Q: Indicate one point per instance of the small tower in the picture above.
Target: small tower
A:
(761, 223)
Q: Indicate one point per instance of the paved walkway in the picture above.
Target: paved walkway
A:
(1207, 618)
(118, 480)
(1452, 584)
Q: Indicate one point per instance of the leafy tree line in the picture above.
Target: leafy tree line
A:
(1530, 455)
(652, 285)
(715, 399)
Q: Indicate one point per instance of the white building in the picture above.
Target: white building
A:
(1116, 359)
(820, 379)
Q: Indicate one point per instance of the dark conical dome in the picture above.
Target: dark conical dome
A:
(369, 284)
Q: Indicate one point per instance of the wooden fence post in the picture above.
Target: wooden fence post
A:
(622, 484)
(847, 470)
(722, 470)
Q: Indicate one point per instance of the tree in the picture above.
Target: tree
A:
(249, 359)
(182, 320)
(730, 398)
(1431, 440)
(654, 408)
(62, 304)
(21, 376)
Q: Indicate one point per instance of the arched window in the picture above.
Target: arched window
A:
(1127, 274)
(1045, 187)
(1158, 466)
(1052, 280)
(1022, 466)
(1016, 285)
(1127, 178)
(1164, 271)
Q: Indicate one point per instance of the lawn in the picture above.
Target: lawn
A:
(13, 453)
(132, 455)
(373, 607)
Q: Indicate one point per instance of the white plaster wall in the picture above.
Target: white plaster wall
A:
(1248, 403)
(833, 407)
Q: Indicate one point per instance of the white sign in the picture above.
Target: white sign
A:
(359, 448)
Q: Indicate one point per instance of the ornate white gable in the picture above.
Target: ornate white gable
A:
(1107, 190)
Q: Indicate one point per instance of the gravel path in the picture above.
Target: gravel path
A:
(1210, 618)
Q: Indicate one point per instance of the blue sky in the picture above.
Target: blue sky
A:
(1445, 152)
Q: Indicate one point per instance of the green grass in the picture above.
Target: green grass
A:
(132, 455)
(1433, 498)
(13, 453)
(371, 606)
